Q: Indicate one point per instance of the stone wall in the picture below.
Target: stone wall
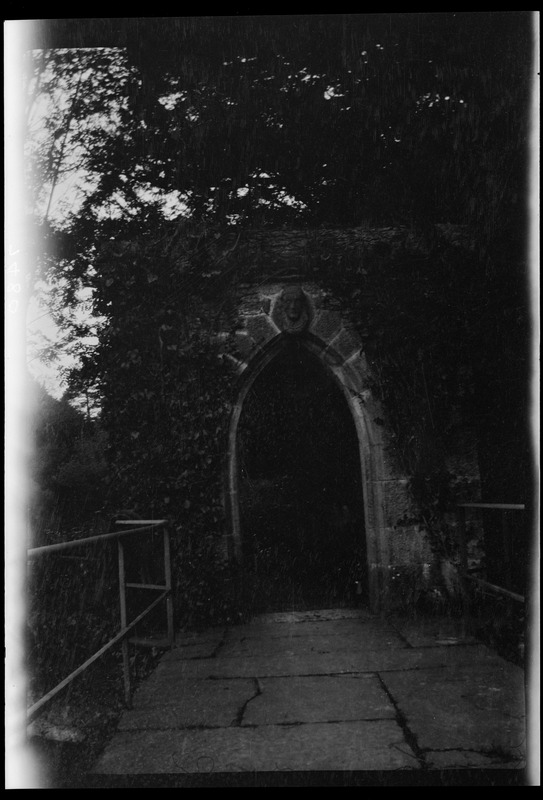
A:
(394, 544)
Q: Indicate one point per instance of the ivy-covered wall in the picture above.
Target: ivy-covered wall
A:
(405, 556)
(193, 319)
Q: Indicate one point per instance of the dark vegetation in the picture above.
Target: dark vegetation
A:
(396, 144)
(67, 468)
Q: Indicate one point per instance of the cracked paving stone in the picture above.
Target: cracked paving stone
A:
(283, 661)
(463, 709)
(318, 699)
(300, 692)
(333, 746)
(370, 639)
(187, 703)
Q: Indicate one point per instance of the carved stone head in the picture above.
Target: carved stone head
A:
(292, 310)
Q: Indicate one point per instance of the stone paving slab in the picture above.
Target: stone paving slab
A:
(369, 639)
(341, 627)
(375, 745)
(289, 662)
(188, 703)
(318, 699)
(210, 638)
(469, 759)
(464, 709)
(196, 650)
(306, 693)
(431, 632)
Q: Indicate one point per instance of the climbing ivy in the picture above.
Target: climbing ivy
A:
(256, 128)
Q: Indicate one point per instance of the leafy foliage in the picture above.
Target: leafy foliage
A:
(389, 119)
(68, 595)
(432, 329)
(71, 598)
(68, 466)
(202, 130)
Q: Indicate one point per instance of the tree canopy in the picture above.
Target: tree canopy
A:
(313, 120)
(182, 133)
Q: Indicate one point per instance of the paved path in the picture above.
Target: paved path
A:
(316, 692)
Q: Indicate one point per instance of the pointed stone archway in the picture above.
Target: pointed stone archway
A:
(329, 340)
(300, 498)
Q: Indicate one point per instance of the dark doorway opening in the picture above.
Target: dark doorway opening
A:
(301, 506)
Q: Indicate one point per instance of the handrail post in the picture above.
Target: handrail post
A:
(463, 552)
(168, 584)
(122, 602)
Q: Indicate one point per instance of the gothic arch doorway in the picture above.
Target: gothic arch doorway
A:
(299, 485)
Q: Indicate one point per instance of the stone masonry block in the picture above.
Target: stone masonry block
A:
(326, 325)
(261, 328)
(345, 343)
(254, 304)
(354, 379)
(358, 363)
(244, 343)
(409, 546)
(397, 502)
(333, 359)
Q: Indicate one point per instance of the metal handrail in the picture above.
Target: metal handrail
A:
(464, 572)
(51, 548)
(496, 589)
(501, 506)
(143, 526)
